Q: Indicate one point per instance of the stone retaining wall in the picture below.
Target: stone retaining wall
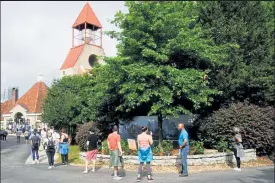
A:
(217, 158)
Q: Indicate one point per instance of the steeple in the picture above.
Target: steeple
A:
(86, 15)
(88, 28)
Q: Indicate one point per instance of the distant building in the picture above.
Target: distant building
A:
(27, 109)
(86, 44)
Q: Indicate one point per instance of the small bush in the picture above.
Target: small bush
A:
(156, 150)
(83, 133)
(104, 148)
(222, 145)
(196, 147)
(167, 146)
(256, 125)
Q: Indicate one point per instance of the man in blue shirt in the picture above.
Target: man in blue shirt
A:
(184, 148)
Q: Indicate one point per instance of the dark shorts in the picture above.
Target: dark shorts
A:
(26, 137)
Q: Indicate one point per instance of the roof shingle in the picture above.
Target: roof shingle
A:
(72, 57)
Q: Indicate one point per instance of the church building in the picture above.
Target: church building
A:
(26, 110)
(86, 44)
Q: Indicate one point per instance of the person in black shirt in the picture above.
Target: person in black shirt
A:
(92, 150)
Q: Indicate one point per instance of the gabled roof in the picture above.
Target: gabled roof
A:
(33, 98)
(87, 15)
(6, 107)
(72, 57)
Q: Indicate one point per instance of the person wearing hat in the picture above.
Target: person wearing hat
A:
(92, 150)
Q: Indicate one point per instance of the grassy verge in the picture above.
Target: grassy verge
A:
(73, 155)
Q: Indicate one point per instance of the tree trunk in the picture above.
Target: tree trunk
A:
(160, 121)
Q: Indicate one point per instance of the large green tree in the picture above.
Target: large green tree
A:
(249, 71)
(66, 104)
(161, 62)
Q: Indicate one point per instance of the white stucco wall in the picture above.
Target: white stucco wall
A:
(84, 56)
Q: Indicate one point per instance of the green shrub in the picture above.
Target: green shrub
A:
(167, 146)
(196, 147)
(125, 147)
(256, 125)
(83, 133)
(104, 147)
(156, 150)
(222, 145)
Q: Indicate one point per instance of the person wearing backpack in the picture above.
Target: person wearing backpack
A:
(50, 149)
(35, 140)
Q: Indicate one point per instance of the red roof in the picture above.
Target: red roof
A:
(87, 15)
(6, 107)
(72, 57)
(32, 100)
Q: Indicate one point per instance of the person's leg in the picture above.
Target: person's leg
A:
(86, 165)
(238, 159)
(33, 154)
(140, 168)
(37, 155)
(115, 171)
(66, 159)
(185, 151)
(94, 163)
(5, 137)
(19, 139)
(63, 158)
(148, 169)
(49, 157)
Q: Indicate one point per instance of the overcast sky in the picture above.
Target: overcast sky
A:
(36, 38)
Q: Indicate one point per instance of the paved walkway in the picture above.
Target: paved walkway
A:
(15, 170)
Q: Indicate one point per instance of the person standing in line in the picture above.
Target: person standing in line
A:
(50, 149)
(44, 137)
(145, 154)
(114, 146)
(26, 134)
(184, 147)
(35, 141)
(18, 134)
(237, 148)
(64, 147)
(92, 150)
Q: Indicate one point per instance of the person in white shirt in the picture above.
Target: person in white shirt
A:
(43, 136)
(56, 137)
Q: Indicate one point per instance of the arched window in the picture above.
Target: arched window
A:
(92, 60)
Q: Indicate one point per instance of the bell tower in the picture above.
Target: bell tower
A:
(86, 44)
(87, 29)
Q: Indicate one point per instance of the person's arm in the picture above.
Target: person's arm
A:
(119, 145)
(138, 144)
(151, 139)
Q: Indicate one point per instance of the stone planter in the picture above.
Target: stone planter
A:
(206, 159)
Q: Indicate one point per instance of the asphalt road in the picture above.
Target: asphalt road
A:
(14, 170)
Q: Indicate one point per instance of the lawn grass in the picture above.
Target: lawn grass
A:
(73, 155)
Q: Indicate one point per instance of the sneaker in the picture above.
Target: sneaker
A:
(50, 167)
(149, 179)
(138, 179)
(37, 161)
(119, 175)
(86, 171)
(33, 162)
(117, 178)
(237, 169)
(93, 170)
(183, 175)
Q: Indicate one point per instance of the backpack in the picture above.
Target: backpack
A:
(50, 144)
(35, 142)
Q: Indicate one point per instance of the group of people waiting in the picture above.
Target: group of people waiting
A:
(52, 142)
(145, 155)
